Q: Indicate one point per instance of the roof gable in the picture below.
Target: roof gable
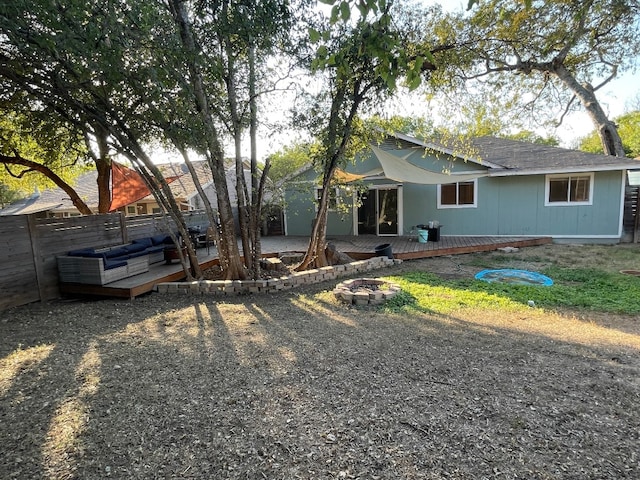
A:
(512, 157)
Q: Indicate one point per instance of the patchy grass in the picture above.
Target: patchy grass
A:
(459, 379)
(578, 288)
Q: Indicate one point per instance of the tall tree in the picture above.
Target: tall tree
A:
(363, 60)
(248, 34)
(557, 49)
(44, 63)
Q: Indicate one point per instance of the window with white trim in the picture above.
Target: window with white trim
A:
(458, 195)
(571, 189)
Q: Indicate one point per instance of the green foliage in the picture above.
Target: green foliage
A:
(413, 126)
(532, 137)
(51, 144)
(580, 288)
(8, 196)
(288, 160)
(527, 3)
(629, 130)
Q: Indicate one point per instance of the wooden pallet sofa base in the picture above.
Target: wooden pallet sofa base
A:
(100, 266)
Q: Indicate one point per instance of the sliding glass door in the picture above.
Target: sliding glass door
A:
(378, 212)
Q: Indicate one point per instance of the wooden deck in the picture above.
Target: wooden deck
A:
(358, 247)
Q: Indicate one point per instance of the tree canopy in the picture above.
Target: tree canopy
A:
(548, 55)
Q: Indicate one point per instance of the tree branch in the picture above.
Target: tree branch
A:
(51, 175)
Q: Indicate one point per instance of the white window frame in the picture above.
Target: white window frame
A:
(457, 205)
(547, 189)
(132, 210)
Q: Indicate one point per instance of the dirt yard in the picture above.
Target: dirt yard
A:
(299, 386)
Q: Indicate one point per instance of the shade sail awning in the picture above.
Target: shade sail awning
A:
(127, 186)
(399, 169)
(340, 176)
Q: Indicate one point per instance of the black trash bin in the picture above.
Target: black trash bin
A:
(434, 233)
(384, 250)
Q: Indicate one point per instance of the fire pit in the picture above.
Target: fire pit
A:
(365, 291)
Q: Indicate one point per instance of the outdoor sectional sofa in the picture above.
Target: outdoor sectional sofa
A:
(100, 266)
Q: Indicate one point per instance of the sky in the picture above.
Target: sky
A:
(616, 97)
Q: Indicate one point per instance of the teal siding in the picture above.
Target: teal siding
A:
(301, 209)
(505, 205)
(600, 219)
(516, 206)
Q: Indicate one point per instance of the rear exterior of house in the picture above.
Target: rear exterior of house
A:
(520, 189)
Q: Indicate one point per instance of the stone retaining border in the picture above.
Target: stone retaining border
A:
(273, 285)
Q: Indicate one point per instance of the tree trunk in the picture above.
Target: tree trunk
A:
(228, 252)
(315, 255)
(257, 185)
(103, 167)
(607, 130)
(211, 214)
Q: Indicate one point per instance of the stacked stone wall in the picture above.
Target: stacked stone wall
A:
(273, 285)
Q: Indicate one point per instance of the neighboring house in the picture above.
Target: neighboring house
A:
(489, 186)
(56, 203)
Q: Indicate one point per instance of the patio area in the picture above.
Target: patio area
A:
(358, 247)
(404, 248)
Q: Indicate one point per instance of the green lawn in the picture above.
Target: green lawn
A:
(575, 288)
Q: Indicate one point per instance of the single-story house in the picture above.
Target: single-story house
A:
(484, 186)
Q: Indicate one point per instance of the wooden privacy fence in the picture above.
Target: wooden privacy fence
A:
(29, 247)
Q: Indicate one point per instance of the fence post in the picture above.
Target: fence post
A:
(123, 228)
(35, 253)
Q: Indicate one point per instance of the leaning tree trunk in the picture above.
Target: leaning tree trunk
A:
(607, 130)
(316, 251)
(211, 215)
(159, 187)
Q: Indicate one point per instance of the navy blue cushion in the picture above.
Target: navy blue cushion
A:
(134, 247)
(109, 264)
(147, 241)
(135, 254)
(154, 249)
(160, 239)
(115, 252)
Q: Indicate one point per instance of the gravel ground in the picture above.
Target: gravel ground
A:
(297, 385)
